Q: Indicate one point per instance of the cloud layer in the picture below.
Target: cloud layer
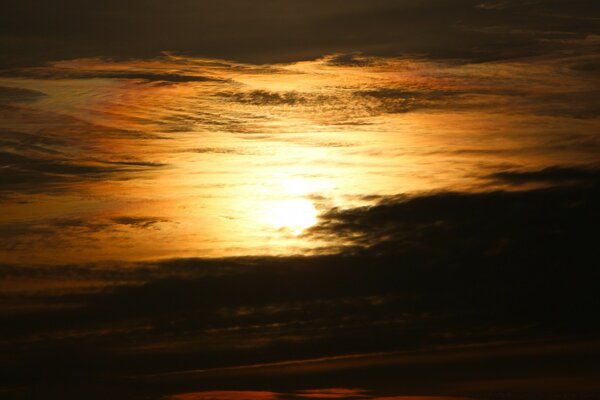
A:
(284, 200)
(455, 287)
(269, 31)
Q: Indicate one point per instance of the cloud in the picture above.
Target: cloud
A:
(73, 73)
(332, 393)
(138, 222)
(64, 152)
(337, 393)
(581, 104)
(225, 395)
(220, 150)
(551, 175)
(266, 98)
(348, 60)
(40, 173)
(592, 66)
(78, 228)
(429, 293)
(289, 31)
(397, 100)
(171, 78)
(16, 95)
(446, 282)
(422, 398)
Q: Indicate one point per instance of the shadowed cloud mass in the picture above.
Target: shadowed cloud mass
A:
(289, 30)
(449, 284)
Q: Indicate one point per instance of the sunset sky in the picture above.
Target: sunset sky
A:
(300, 199)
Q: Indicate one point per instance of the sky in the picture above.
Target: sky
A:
(298, 199)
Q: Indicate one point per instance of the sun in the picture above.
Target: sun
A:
(294, 215)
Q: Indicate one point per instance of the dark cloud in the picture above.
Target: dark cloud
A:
(134, 222)
(138, 222)
(363, 101)
(349, 60)
(266, 98)
(25, 233)
(52, 167)
(19, 141)
(174, 78)
(394, 100)
(566, 104)
(266, 31)
(134, 163)
(39, 173)
(21, 173)
(316, 101)
(49, 160)
(72, 73)
(456, 287)
(551, 175)
(587, 66)
(220, 150)
(16, 95)
(404, 94)
(573, 105)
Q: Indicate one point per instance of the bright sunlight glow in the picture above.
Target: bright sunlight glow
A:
(294, 215)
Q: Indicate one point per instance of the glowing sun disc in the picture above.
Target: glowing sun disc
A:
(295, 215)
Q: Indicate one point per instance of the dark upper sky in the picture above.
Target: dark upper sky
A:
(288, 30)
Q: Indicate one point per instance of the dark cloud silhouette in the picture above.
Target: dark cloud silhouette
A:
(393, 100)
(266, 98)
(583, 104)
(15, 95)
(219, 150)
(551, 175)
(21, 235)
(133, 163)
(173, 78)
(33, 173)
(454, 279)
(72, 73)
(267, 31)
(32, 142)
(592, 65)
(349, 60)
(138, 222)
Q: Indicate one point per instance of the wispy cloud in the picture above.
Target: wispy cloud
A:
(333, 393)
(225, 395)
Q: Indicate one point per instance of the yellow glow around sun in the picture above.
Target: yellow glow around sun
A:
(294, 214)
(297, 186)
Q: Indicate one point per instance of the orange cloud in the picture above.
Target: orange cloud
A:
(422, 398)
(333, 393)
(225, 395)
